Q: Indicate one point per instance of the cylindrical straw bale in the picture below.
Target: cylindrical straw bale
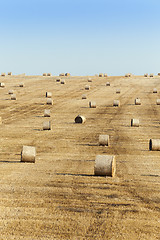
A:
(101, 75)
(134, 122)
(80, 119)
(28, 154)
(44, 74)
(2, 85)
(158, 74)
(158, 102)
(151, 75)
(104, 140)
(154, 90)
(21, 84)
(105, 165)
(3, 74)
(62, 74)
(58, 80)
(49, 101)
(116, 103)
(10, 92)
(13, 97)
(137, 101)
(67, 74)
(146, 75)
(89, 80)
(47, 113)
(84, 96)
(9, 73)
(118, 91)
(87, 87)
(47, 125)
(92, 104)
(49, 74)
(105, 75)
(107, 83)
(154, 145)
(63, 82)
(48, 94)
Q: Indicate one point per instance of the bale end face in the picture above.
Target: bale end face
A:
(28, 154)
(137, 101)
(92, 104)
(105, 165)
(80, 119)
(49, 101)
(116, 103)
(104, 140)
(48, 94)
(134, 122)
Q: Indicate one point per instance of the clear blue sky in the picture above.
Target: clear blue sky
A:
(82, 37)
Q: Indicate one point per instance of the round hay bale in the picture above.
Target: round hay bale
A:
(105, 75)
(13, 97)
(158, 102)
(47, 125)
(3, 74)
(67, 74)
(151, 75)
(100, 74)
(80, 119)
(107, 83)
(9, 73)
(154, 90)
(105, 165)
(62, 74)
(158, 74)
(28, 154)
(21, 84)
(47, 113)
(84, 96)
(58, 80)
(48, 94)
(116, 103)
(49, 74)
(63, 82)
(89, 80)
(44, 74)
(154, 144)
(92, 104)
(2, 85)
(137, 101)
(103, 140)
(10, 91)
(134, 122)
(146, 75)
(87, 87)
(49, 101)
(118, 91)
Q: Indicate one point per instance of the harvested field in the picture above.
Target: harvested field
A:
(58, 196)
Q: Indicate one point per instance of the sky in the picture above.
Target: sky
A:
(82, 37)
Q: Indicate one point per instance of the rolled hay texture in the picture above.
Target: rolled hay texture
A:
(80, 119)
(134, 122)
(92, 104)
(105, 75)
(9, 73)
(146, 75)
(48, 94)
(154, 144)
(103, 140)
(101, 75)
(84, 96)
(2, 85)
(47, 113)
(118, 91)
(154, 90)
(47, 125)
(58, 80)
(10, 91)
(116, 103)
(137, 101)
(62, 74)
(158, 102)
(13, 97)
(3, 74)
(49, 101)
(63, 82)
(87, 87)
(151, 75)
(89, 80)
(107, 83)
(21, 84)
(105, 165)
(44, 74)
(67, 74)
(49, 74)
(28, 154)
